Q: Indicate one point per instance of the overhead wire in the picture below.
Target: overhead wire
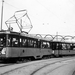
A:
(49, 10)
(18, 9)
(23, 15)
(11, 5)
(72, 2)
(31, 14)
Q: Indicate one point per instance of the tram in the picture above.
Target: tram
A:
(14, 45)
(63, 48)
(18, 45)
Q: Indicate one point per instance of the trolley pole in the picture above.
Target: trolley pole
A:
(2, 15)
(57, 36)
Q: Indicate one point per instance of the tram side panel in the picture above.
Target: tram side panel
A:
(27, 52)
(30, 52)
(45, 48)
(65, 49)
(67, 52)
(46, 52)
(13, 52)
(37, 52)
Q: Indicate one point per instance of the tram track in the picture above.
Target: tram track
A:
(3, 65)
(30, 63)
(43, 64)
(42, 69)
(8, 63)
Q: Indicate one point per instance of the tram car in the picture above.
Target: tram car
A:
(63, 48)
(14, 45)
(19, 45)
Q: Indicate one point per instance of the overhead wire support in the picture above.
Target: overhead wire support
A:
(2, 14)
(50, 11)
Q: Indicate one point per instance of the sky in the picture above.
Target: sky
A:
(47, 16)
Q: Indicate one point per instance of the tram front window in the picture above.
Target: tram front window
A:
(2, 40)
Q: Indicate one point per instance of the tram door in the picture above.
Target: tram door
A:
(45, 48)
(56, 46)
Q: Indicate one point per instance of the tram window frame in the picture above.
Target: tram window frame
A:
(56, 45)
(14, 40)
(32, 43)
(23, 39)
(67, 46)
(73, 46)
(45, 44)
(60, 46)
(3, 40)
(64, 46)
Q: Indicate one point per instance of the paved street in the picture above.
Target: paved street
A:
(53, 66)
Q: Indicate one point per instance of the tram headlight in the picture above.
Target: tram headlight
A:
(53, 52)
(3, 51)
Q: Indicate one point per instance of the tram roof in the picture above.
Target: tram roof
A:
(8, 32)
(19, 34)
(32, 36)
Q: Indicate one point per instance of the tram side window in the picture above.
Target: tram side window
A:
(2, 40)
(9, 41)
(59, 46)
(45, 44)
(35, 44)
(15, 42)
(63, 46)
(23, 42)
(66, 46)
(28, 42)
(73, 46)
(32, 43)
(54, 46)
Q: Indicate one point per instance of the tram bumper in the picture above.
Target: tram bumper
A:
(2, 56)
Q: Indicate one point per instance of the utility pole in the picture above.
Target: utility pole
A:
(2, 15)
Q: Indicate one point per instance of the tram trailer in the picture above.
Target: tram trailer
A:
(63, 48)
